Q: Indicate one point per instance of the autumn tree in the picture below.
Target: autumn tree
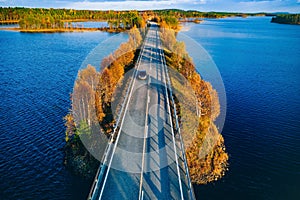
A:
(89, 74)
(107, 61)
(117, 71)
(135, 37)
(124, 54)
(83, 102)
(105, 86)
(70, 126)
(168, 38)
(99, 106)
(83, 99)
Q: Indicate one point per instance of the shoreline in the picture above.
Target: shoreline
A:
(286, 23)
(106, 29)
(9, 21)
(83, 20)
(63, 30)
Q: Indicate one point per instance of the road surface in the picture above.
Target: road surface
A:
(146, 162)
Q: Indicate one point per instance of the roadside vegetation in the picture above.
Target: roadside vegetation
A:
(205, 149)
(91, 103)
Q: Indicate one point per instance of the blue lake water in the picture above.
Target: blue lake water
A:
(260, 67)
(37, 75)
(89, 24)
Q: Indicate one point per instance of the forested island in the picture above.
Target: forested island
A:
(60, 20)
(286, 19)
(207, 168)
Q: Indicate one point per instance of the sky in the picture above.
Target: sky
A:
(292, 6)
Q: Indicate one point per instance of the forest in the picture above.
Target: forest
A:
(181, 14)
(42, 18)
(287, 19)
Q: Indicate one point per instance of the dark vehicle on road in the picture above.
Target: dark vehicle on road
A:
(142, 74)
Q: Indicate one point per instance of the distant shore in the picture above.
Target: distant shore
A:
(62, 30)
(9, 21)
(287, 19)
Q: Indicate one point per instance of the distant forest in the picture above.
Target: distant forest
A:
(287, 19)
(41, 18)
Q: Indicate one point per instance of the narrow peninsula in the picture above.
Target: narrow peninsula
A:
(204, 169)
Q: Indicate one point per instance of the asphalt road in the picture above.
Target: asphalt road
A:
(147, 163)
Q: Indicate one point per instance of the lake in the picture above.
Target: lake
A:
(260, 67)
(259, 62)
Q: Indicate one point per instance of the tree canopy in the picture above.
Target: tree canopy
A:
(206, 156)
(287, 19)
(42, 18)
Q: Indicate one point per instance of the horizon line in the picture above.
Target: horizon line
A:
(186, 10)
